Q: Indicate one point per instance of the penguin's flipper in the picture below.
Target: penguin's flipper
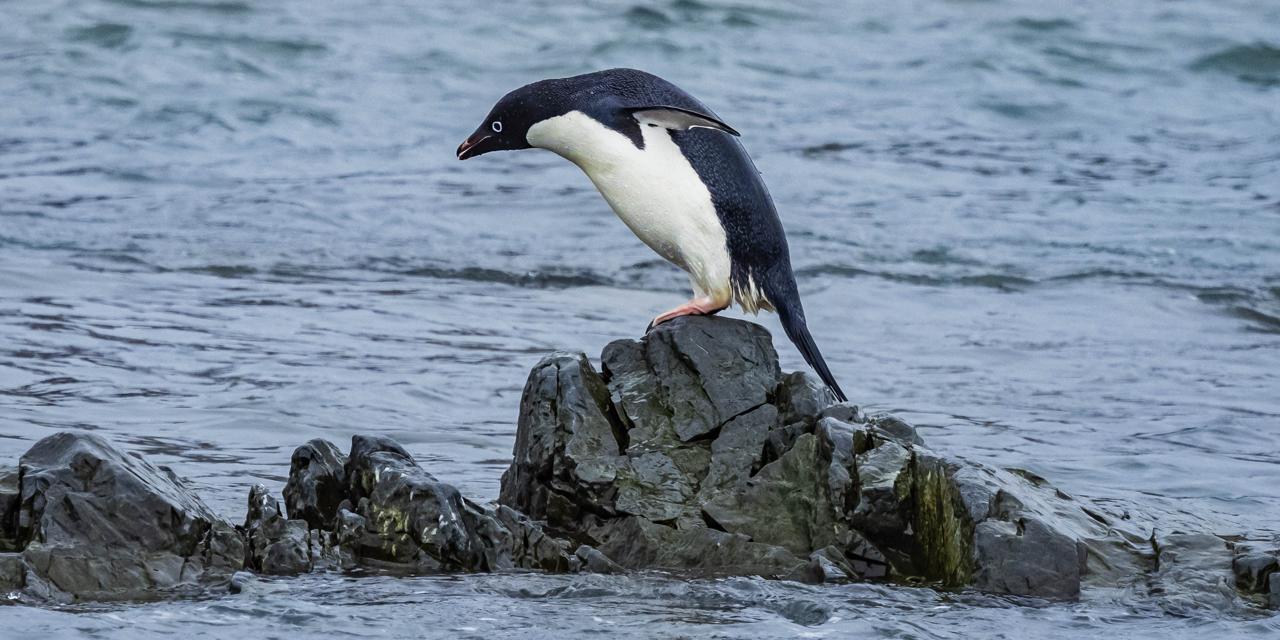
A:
(678, 119)
(782, 294)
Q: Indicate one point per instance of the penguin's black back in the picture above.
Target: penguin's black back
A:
(756, 242)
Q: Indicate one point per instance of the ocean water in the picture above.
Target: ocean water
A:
(1046, 233)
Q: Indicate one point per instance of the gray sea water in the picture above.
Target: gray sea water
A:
(1046, 233)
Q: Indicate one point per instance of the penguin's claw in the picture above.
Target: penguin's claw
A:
(696, 307)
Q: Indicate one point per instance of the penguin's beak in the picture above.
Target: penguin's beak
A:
(473, 146)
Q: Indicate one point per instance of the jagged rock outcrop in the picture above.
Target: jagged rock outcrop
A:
(378, 507)
(690, 453)
(93, 523)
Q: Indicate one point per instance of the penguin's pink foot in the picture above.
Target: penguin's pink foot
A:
(695, 307)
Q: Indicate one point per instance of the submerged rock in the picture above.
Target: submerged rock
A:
(95, 523)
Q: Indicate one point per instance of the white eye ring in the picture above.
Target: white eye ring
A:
(496, 126)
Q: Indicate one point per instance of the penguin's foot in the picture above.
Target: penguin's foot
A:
(696, 307)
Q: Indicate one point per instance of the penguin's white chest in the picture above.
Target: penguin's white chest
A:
(654, 190)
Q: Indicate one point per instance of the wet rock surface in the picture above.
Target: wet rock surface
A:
(276, 545)
(317, 483)
(690, 453)
(1256, 569)
(94, 523)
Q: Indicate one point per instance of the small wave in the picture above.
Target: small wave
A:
(104, 34)
(1259, 321)
(830, 148)
(223, 6)
(1046, 24)
(1002, 282)
(1022, 111)
(1101, 274)
(49, 390)
(222, 270)
(1257, 63)
(941, 255)
(270, 46)
(648, 18)
(533, 279)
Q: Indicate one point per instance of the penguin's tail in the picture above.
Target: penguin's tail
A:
(786, 299)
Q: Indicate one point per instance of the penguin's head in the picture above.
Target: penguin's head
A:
(619, 99)
(507, 126)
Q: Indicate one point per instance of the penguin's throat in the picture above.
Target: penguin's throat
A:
(582, 140)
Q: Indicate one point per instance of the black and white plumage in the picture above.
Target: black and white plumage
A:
(676, 175)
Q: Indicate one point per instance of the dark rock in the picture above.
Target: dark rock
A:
(896, 429)
(737, 452)
(652, 484)
(636, 543)
(13, 572)
(940, 521)
(866, 561)
(531, 547)
(1256, 569)
(595, 562)
(276, 545)
(801, 396)
(829, 564)
(701, 442)
(883, 511)
(692, 454)
(9, 501)
(780, 440)
(240, 581)
(1106, 552)
(317, 483)
(98, 524)
(414, 522)
(349, 536)
(389, 513)
(788, 503)
(567, 452)
(689, 376)
(1027, 558)
(225, 549)
(844, 412)
(1193, 574)
(1253, 568)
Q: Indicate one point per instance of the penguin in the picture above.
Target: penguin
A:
(676, 175)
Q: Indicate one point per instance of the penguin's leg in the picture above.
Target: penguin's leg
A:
(702, 304)
(696, 307)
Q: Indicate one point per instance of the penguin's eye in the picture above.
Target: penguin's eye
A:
(496, 126)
